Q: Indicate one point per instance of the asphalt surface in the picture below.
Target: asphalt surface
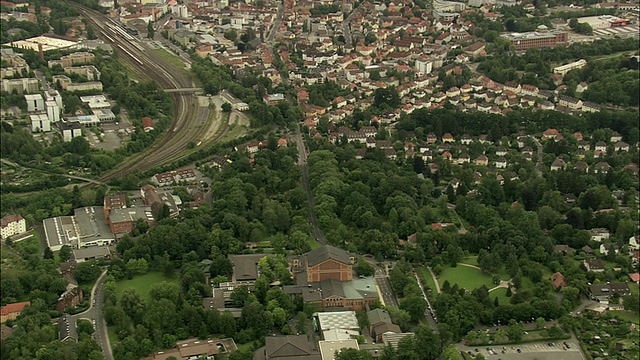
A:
(540, 153)
(529, 351)
(302, 161)
(429, 313)
(94, 314)
(276, 24)
(386, 292)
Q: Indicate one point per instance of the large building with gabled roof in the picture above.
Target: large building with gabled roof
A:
(324, 263)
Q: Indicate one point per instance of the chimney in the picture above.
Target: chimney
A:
(41, 51)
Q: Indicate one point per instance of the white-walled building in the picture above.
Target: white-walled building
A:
(70, 130)
(12, 225)
(40, 122)
(53, 111)
(35, 102)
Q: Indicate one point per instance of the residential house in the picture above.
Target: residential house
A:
(562, 249)
(601, 168)
(581, 166)
(601, 146)
(482, 160)
(501, 163)
(12, 225)
(615, 137)
(621, 146)
(604, 292)
(501, 151)
(599, 234)
(11, 311)
(595, 265)
(558, 164)
(607, 248)
(466, 139)
(570, 102)
(558, 280)
(448, 138)
(70, 298)
(550, 134)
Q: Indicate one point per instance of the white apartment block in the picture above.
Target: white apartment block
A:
(12, 225)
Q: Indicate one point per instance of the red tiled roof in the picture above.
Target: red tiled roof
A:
(14, 308)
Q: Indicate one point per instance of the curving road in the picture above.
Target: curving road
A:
(94, 314)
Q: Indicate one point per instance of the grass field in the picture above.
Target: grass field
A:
(634, 289)
(29, 246)
(427, 279)
(501, 294)
(466, 277)
(113, 338)
(313, 244)
(627, 316)
(471, 260)
(143, 283)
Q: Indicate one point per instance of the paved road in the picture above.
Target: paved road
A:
(302, 161)
(93, 181)
(346, 28)
(540, 154)
(529, 351)
(276, 24)
(386, 292)
(94, 314)
(429, 312)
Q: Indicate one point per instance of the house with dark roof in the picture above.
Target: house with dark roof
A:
(595, 265)
(380, 323)
(67, 330)
(287, 347)
(604, 292)
(562, 249)
(245, 267)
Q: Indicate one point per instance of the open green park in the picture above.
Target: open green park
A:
(143, 283)
(466, 277)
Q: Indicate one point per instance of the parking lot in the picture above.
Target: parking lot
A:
(540, 351)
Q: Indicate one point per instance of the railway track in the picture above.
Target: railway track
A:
(184, 127)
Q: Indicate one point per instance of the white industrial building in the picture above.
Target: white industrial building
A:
(564, 69)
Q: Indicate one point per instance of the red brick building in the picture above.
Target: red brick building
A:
(328, 262)
(70, 298)
(542, 38)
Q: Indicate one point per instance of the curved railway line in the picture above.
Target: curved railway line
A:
(188, 119)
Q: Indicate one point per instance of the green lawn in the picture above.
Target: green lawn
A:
(427, 279)
(113, 338)
(471, 260)
(313, 243)
(143, 283)
(627, 316)
(466, 277)
(634, 288)
(501, 294)
(29, 246)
